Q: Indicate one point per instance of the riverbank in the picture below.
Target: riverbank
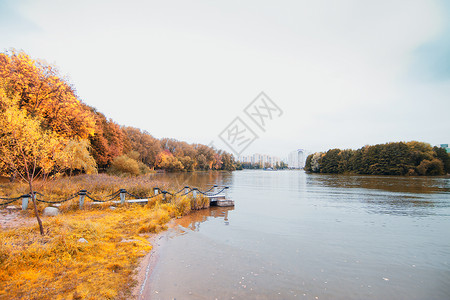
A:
(149, 271)
(85, 254)
(148, 263)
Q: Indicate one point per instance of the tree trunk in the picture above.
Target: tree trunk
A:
(33, 196)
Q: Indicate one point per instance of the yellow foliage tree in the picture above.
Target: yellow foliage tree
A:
(75, 156)
(165, 160)
(26, 148)
(124, 165)
(45, 95)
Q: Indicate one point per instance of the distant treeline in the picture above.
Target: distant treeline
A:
(411, 158)
(81, 138)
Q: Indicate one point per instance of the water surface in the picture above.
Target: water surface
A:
(295, 235)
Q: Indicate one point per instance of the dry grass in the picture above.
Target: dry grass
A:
(99, 185)
(59, 266)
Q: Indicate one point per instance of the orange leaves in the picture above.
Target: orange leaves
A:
(107, 141)
(44, 94)
(46, 127)
(25, 146)
(165, 160)
(36, 89)
(147, 146)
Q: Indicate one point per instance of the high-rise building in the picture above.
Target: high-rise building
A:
(296, 159)
(263, 159)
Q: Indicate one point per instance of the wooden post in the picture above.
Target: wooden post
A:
(186, 190)
(194, 192)
(122, 195)
(25, 200)
(216, 188)
(156, 191)
(164, 195)
(226, 192)
(82, 194)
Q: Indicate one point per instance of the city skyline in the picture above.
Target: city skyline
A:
(263, 159)
(294, 159)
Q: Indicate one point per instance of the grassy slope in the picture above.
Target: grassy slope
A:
(58, 266)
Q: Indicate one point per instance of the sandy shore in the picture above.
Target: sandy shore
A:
(148, 264)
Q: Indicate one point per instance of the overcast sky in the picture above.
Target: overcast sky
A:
(344, 73)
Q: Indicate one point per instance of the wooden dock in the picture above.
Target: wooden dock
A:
(220, 200)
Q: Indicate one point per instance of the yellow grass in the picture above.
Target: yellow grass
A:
(99, 185)
(59, 266)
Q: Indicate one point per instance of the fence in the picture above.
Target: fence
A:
(121, 194)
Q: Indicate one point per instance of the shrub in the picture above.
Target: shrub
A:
(124, 165)
(431, 167)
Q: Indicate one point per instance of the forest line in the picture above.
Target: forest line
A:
(399, 158)
(38, 104)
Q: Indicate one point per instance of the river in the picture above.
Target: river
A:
(294, 235)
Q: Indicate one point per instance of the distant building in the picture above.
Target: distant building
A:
(445, 146)
(296, 159)
(262, 159)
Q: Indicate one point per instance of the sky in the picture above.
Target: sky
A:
(343, 74)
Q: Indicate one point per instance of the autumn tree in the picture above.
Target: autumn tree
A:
(45, 95)
(217, 161)
(170, 145)
(99, 143)
(75, 156)
(330, 161)
(202, 162)
(420, 151)
(308, 160)
(44, 127)
(108, 140)
(411, 158)
(228, 162)
(165, 160)
(188, 163)
(25, 147)
(51, 100)
(145, 144)
(431, 167)
(205, 156)
(442, 155)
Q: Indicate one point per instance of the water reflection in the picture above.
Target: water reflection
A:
(397, 184)
(384, 195)
(296, 235)
(194, 219)
(198, 179)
